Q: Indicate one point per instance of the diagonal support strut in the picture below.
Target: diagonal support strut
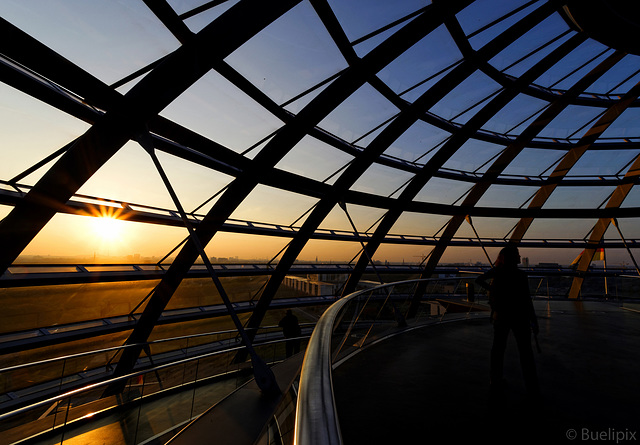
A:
(263, 375)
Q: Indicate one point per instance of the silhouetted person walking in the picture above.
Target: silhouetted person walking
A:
(511, 310)
(291, 329)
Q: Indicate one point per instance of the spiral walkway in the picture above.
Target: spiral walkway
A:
(432, 384)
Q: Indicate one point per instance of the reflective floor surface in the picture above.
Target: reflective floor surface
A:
(432, 384)
(153, 422)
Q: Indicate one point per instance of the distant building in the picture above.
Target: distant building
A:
(323, 284)
(549, 265)
(315, 284)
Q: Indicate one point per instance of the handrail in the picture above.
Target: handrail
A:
(316, 418)
(117, 348)
(49, 401)
(57, 334)
(59, 397)
(69, 377)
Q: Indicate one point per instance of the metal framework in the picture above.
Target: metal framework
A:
(528, 52)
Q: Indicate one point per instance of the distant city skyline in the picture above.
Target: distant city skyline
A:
(616, 258)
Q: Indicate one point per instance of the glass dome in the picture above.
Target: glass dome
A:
(262, 136)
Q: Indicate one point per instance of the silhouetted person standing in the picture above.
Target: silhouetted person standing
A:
(511, 310)
(291, 330)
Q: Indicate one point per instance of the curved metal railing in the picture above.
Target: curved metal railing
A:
(353, 323)
(58, 413)
(51, 376)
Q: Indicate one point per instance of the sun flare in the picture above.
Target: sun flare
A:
(108, 225)
(108, 228)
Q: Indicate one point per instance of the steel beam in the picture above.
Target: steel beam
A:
(302, 124)
(506, 158)
(508, 155)
(463, 134)
(599, 230)
(572, 157)
(139, 106)
(357, 167)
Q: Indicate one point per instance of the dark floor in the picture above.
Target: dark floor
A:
(431, 385)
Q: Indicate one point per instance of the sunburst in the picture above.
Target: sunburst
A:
(108, 223)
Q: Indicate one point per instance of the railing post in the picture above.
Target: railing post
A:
(193, 397)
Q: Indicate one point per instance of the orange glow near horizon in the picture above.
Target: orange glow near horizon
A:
(107, 234)
(107, 223)
(108, 228)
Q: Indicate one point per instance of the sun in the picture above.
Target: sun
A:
(108, 224)
(109, 228)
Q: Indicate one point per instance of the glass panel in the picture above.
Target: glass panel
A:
(53, 351)
(474, 157)
(192, 183)
(443, 191)
(533, 162)
(624, 127)
(381, 180)
(42, 306)
(550, 258)
(522, 66)
(514, 117)
(535, 38)
(562, 75)
(131, 176)
(347, 120)
(424, 59)
(328, 251)
(559, 229)
(630, 228)
(597, 163)
(182, 6)
(466, 256)
(578, 197)
(397, 254)
(423, 88)
(363, 47)
(271, 205)
(419, 139)
(202, 19)
(620, 78)
(472, 90)
(83, 239)
(480, 14)
(4, 210)
(416, 224)
(238, 247)
(223, 323)
(201, 292)
(497, 228)
(289, 56)
(314, 159)
(632, 199)
(506, 196)
(218, 110)
(570, 122)
(364, 218)
(360, 17)
(108, 39)
(19, 115)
